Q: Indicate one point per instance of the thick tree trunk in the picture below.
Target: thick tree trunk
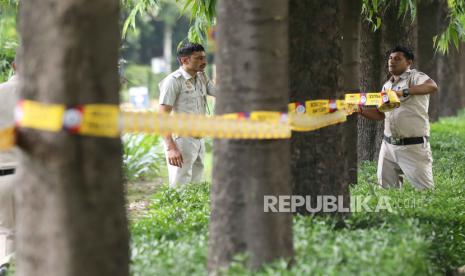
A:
(351, 66)
(318, 157)
(428, 20)
(252, 68)
(71, 210)
(396, 31)
(370, 133)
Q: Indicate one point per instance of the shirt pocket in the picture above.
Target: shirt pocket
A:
(188, 100)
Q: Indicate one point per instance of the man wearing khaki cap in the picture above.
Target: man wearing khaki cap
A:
(405, 148)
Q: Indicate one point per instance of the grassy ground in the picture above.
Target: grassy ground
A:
(424, 234)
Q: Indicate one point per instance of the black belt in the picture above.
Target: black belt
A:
(405, 141)
(7, 172)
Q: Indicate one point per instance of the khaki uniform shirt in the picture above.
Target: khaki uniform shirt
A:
(411, 118)
(185, 93)
(8, 98)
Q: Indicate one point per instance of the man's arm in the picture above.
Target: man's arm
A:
(428, 87)
(372, 114)
(173, 153)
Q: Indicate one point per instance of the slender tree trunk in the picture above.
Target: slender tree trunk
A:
(351, 66)
(428, 18)
(318, 157)
(370, 132)
(448, 68)
(462, 75)
(448, 76)
(252, 67)
(167, 43)
(71, 210)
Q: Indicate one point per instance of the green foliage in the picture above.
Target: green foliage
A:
(455, 30)
(172, 239)
(203, 13)
(453, 34)
(424, 235)
(141, 75)
(8, 38)
(135, 8)
(142, 157)
(373, 9)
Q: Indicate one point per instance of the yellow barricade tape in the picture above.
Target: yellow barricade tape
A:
(7, 138)
(40, 116)
(302, 122)
(100, 120)
(107, 121)
(384, 101)
(202, 126)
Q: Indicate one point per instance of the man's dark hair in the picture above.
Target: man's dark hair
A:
(408, 54)
(189, 48)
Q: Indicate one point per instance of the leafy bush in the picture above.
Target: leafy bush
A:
(141, 75)
(423, 235)
(142, 157)
(8, 40)
(172, 239)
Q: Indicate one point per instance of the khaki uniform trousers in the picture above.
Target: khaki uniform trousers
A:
(7, 217)
(193, 154)
(414, 161)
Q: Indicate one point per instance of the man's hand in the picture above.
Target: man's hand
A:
(173, 153)
(175, 157)
(399, 93)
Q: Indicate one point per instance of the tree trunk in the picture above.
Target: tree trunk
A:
(370, 133)
(167, 43)
(71, 216)
(396, 31)
(318, 157)
(252, 67)
(351, 66)
(428, 20)
(462, 75)
(448, 71)
(448, 81)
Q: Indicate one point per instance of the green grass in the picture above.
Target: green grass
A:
(423, 235)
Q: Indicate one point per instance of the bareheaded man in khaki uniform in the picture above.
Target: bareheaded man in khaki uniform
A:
(8, 173)
(405, 148)
(185, 91)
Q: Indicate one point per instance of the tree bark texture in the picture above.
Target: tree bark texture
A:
(370, 133)
(448, 78)
(318, 157)
(252, 66)
(396, 31)
(462, 75)
(351, 66)
(428, 26)
(71, 217)
(449, 82)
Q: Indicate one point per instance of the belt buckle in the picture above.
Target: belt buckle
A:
(396, 141)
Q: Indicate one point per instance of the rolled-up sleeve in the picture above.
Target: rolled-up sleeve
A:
(169, 91)
(211, 90)
(420, 78)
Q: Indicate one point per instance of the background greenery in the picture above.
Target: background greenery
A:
(424, 235)
(8, 40)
